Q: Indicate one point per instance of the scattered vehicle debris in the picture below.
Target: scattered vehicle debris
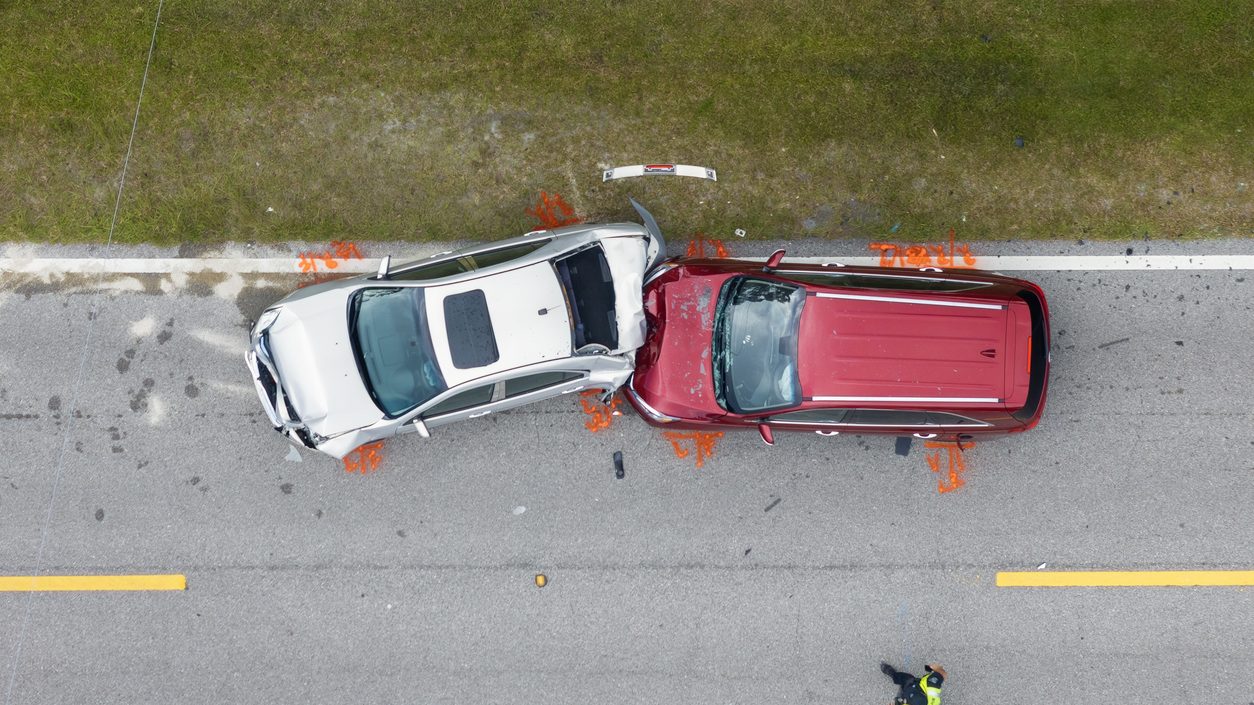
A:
(625, 172)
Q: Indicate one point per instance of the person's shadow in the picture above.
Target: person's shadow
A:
(902, 679)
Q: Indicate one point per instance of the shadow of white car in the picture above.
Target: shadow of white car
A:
(457, 336)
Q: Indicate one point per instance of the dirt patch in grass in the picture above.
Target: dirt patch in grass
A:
(387, 120)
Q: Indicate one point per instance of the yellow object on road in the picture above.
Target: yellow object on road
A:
(63, 583)
(1126, 578)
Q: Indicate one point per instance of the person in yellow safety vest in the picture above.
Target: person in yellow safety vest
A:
(925, 690)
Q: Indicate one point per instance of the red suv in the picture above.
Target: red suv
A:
(834, 349)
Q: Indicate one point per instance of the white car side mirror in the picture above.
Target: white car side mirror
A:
(421, 428)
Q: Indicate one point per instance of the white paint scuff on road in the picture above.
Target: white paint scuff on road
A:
(156, 410)
(142, 327)
(231, 345)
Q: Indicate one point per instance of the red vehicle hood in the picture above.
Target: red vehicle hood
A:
(674, 362)
(869, 348)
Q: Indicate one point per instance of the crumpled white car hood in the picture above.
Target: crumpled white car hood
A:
(311, 349)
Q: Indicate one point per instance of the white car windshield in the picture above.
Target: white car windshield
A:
(392, 344)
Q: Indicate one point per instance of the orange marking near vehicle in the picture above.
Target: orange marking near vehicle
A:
(696, 247)
(345, 250)
(365, 459)
(602, 415)
(952, 475)
(916, 256)
(703, 443)
(553, 211)
(330, 258)
(309, 261)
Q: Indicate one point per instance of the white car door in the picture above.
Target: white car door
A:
(481, 400)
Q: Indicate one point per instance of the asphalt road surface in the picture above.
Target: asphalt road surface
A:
(133, 443)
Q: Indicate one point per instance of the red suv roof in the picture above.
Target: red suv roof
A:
(868, 338)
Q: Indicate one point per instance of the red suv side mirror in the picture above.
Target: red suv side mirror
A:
(773, 262)
(765, 429)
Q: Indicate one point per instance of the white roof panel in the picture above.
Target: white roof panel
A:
(529, 320)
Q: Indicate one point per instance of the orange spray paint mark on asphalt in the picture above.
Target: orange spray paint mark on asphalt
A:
(600, 415)
(553, 211)
(956, 256)
(365, 459)
(951, 475)
(330, 258)
(703, 443)
(309, 261)
(697, 247)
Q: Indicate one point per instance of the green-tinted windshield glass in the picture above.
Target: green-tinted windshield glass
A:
(393, 347)
(755, 345)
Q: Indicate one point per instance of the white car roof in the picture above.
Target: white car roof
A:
(515, 300)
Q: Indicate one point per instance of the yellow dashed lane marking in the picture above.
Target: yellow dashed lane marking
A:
(54, 583)
(1127, 578)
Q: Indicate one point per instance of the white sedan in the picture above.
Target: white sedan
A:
(456, 336)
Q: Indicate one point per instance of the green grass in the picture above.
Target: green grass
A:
(434, 120)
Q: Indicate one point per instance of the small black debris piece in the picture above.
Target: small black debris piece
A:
(903, 445)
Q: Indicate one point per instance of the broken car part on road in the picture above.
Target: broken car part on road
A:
(625, 172)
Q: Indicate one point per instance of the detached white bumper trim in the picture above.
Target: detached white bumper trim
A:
(624, 172)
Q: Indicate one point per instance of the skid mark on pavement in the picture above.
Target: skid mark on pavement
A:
(955, 466)
(689, 443)
(365, 459)
(230, 344)
(916, 256)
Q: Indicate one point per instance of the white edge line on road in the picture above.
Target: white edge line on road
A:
(177, 265)
(291, 265)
